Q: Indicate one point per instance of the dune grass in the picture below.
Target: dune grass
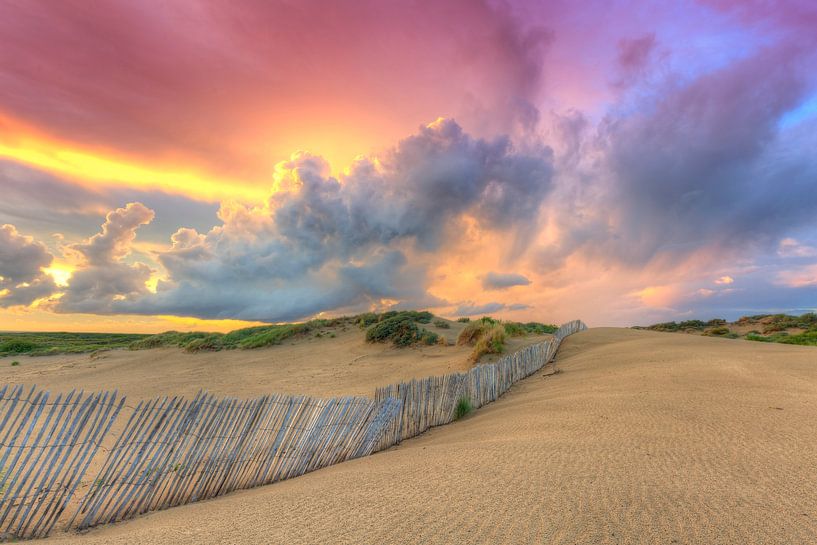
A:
(43, 344)
(245, 338)
(489, 336)
(464, 407)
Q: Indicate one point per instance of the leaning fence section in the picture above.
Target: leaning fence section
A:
(432, 401)
(172, 451)
(47, 443)
(175, 451)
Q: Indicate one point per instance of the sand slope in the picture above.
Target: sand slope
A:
(343, 365)
(644, 438)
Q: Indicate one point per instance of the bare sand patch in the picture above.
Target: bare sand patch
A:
(643, 438)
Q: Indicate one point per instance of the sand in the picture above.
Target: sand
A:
(343, 365)
(643, 437)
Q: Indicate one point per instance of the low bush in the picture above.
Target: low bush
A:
(17, 346)
(463, 319)
(367, 319)
(15, 363)
(429, 337)
(717, 331)
(441, 324)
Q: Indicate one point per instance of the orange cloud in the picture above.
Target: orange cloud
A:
(95, 168)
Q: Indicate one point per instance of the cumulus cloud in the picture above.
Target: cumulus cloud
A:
(500, 281)
(105, 279)
(22, 260)
(321, 243)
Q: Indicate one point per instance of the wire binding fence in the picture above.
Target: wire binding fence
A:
(47, 447)
(175, 451)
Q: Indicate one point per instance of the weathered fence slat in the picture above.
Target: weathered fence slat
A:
(47, 446)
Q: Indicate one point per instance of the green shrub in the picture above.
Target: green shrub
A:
(718, 331)
(463, 407)
(17, 346)
(15, 363)
(537, 328)
(754, 336)
(429, 337)
(463, 319)
(515, 329)
(399, 329)
(692, 324)
(442, 324)
(367, 319)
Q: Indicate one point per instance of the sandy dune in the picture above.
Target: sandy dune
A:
(644, 438)
(344, 365)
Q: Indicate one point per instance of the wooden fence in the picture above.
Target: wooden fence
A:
(47, 447)
(173, 451)
(432, 401)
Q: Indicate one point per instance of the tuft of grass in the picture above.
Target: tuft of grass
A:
(492, 341)
(463, 407)
(15, 363)
(471, 333)
(486, 336)
(464, 320)
(442, 324)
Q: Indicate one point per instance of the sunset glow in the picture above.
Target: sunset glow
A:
(206, 165)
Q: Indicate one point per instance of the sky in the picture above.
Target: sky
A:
(208, 164)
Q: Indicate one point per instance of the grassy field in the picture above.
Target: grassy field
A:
(770, 328)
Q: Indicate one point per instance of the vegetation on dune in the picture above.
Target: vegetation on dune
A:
(245, 338)
(771, 328)
(517, 329)
(463, 319)
(43, 344)
(401, 329)
(488, 335)
(807, 338)
(463, 407)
